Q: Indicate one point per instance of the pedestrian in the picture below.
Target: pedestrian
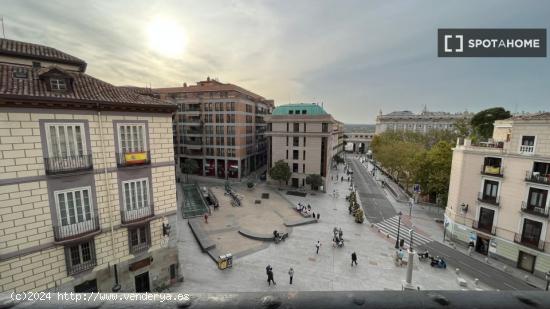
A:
(342, 179)
(291, 274)
(353, 259)
(318, 216)
(470, 247)
(205, 218)
(314, 215)
(318, 245)
(349, 208)
(270, 278)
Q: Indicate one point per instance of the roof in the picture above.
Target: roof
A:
(39, 52)
(537, 116)
(298, 109)
(85, 88)
(207, 86)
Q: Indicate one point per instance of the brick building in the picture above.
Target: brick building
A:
(86, 178)
(220, 126)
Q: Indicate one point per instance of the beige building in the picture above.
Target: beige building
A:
(422, 123)
(86, 178)
(498, 194)
(307, 138)
(220, 126)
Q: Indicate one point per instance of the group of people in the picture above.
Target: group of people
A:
(338, 238)
(270, 278)
(307, 211)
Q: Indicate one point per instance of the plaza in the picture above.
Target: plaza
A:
(330, 270)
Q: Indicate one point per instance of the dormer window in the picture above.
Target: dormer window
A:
(58, 84)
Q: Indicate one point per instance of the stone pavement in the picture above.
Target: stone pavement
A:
(326, 271)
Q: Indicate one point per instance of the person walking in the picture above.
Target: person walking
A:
(353, 259)
(205, 218)
(318, 245)
(318, 216)
(291, 274)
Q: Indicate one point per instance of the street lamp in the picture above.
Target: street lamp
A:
(398, 230)
(411, 232)
(547, 275)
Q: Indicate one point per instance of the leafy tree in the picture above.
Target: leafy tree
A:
(338, 159)
(280, 172)
(314, 180)
(190, 166)
(439, 161)
(482, 122)
(463, 127)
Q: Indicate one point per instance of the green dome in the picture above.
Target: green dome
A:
(298, 109)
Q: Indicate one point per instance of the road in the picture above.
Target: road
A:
(379, 208)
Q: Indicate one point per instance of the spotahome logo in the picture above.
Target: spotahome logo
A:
(491, 42)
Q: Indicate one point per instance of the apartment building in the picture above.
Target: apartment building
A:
(422, 123)
(86, 178)
(306, 137)
(220, 126)
(498, 194)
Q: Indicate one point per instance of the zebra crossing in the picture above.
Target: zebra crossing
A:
(389, 226)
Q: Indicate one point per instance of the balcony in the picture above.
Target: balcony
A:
(68, 233)
(135, 216)
(193, 152)
(193, 144)
(497, 171)
(127, 159)
(484, 228)
(141, 247)
(537, 211)
(61, 165)
(493, 200)
(525, 149)
(536, 244)
(83, 265)
(196, 131)
(536, 177)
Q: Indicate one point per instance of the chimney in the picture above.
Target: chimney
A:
(184, 85)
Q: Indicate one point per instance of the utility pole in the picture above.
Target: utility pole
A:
(3, 32)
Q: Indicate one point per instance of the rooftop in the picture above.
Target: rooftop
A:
(299, 109)
(38, 52)
(537, 116)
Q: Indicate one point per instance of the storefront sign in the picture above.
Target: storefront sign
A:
(140, 264)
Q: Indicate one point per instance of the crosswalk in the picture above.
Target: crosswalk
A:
(389, 226)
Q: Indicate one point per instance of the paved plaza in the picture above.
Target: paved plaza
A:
(329, 270)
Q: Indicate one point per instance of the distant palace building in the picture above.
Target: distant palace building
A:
(421, 123)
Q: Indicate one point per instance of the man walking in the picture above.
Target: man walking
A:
(353, 259)
(205, 218)
(270, 279)
(318, 245)
(291, 274)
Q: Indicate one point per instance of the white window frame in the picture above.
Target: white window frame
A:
(80, 253)
(526, 196)
(66, 125)
(534, 145)
(490, 207)
(533, 218)
(137, 145)
(66, 230)
(58, 84)
(482, 189)
(134, 208)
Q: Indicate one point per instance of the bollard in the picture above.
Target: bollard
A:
(526, 277)
(476, 281)
(487, 260)
(457, 271)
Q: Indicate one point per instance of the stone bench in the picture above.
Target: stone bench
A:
(204, 241)
(300, 222)
(257, 236)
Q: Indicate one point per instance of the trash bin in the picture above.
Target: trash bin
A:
(401, 242)
(229, 259)
(222, 262)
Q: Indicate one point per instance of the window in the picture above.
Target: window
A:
(490, 190)
(325, 127)
(304, 140)
(58, 84)
(295, 167)
(304, 112)
(295, 141)
(291, 112)
(231, 152)
(131, 138)
(74, 210)
(303, 168)
(136, 196)
(527, 144)
(296, 127)
(305, 129)
(287, 125)
(219, 129)
(65, 140)
(295, 155)
(139, 239)
(287, 154)
(537, 198)
(80, 257)
(230, 130)
(304, 155)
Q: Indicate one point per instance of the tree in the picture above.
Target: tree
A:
(463, 127)
(439, 161)
(338, 159)
(190, 166)
(280, 172)
(482, 122)
(314, 180)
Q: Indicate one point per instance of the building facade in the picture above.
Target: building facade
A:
(307, 138)
(421, 123)
(220, 126)
(498, 194)
(86, 178)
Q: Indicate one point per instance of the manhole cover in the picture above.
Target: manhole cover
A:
(312, 259)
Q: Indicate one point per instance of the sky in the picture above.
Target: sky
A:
(356, 57)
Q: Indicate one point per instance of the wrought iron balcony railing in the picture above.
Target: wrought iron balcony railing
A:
(137, 215)
(85, 262)
(62, 233)
(538, 211)
(537, 244)
(493, 200)
(537, 178)
(133, 158)
(60, 165)
(141, 247)
(483, 228)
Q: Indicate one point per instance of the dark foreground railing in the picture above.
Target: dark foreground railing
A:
(303, 300)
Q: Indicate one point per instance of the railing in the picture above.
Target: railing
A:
(488, 199)
(490, 230)
(492, 170)
(141, 247)
(537, 178)
(530, 209)
(60, 165)
(537, 244)
(135, 215)
(191, 142)
(526, 149)
(82, 266)
(133, 158)
(498, 145)
(75, 231)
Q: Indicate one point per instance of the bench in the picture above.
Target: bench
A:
(300, 222)
(257, 236)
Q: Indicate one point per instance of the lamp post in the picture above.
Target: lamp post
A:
(398, 230)
(411, 232)
(547, 275)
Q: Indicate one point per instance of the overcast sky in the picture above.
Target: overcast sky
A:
(355, 56)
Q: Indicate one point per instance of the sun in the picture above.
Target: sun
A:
(166, 37)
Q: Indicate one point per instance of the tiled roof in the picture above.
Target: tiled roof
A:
(538, 116)
(298, 109)
(85, 88)
(207, 86)
(35, 51)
